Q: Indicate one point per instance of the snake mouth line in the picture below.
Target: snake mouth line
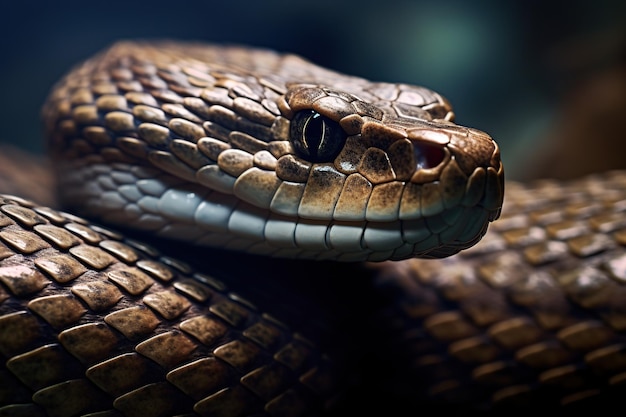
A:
(210, 218)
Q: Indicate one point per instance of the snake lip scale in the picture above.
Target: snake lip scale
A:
(251, 186)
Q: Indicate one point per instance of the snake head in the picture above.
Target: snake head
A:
(389, 175)
(253, 150)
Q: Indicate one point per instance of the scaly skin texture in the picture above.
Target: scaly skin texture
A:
(93, 321)
(533, 317)
(267, 153)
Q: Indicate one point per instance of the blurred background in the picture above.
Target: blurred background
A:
(538, 76)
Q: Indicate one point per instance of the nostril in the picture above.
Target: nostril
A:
(427, 156)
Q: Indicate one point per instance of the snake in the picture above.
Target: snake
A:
(242, 232)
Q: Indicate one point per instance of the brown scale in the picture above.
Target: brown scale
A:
(149, 104)
(92, 322)
(532, 317)
(524, 320)
(89, 323)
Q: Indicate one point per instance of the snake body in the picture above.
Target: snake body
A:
(267, 154)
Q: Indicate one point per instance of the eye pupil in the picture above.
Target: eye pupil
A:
(313, 132)
(316, 138)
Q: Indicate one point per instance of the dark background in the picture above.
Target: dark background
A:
(526, 72)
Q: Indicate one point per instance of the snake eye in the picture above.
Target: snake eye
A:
(316, 138)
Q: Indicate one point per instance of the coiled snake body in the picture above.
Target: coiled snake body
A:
(266, 154)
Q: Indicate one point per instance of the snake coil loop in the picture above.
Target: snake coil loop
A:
(249, 150)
